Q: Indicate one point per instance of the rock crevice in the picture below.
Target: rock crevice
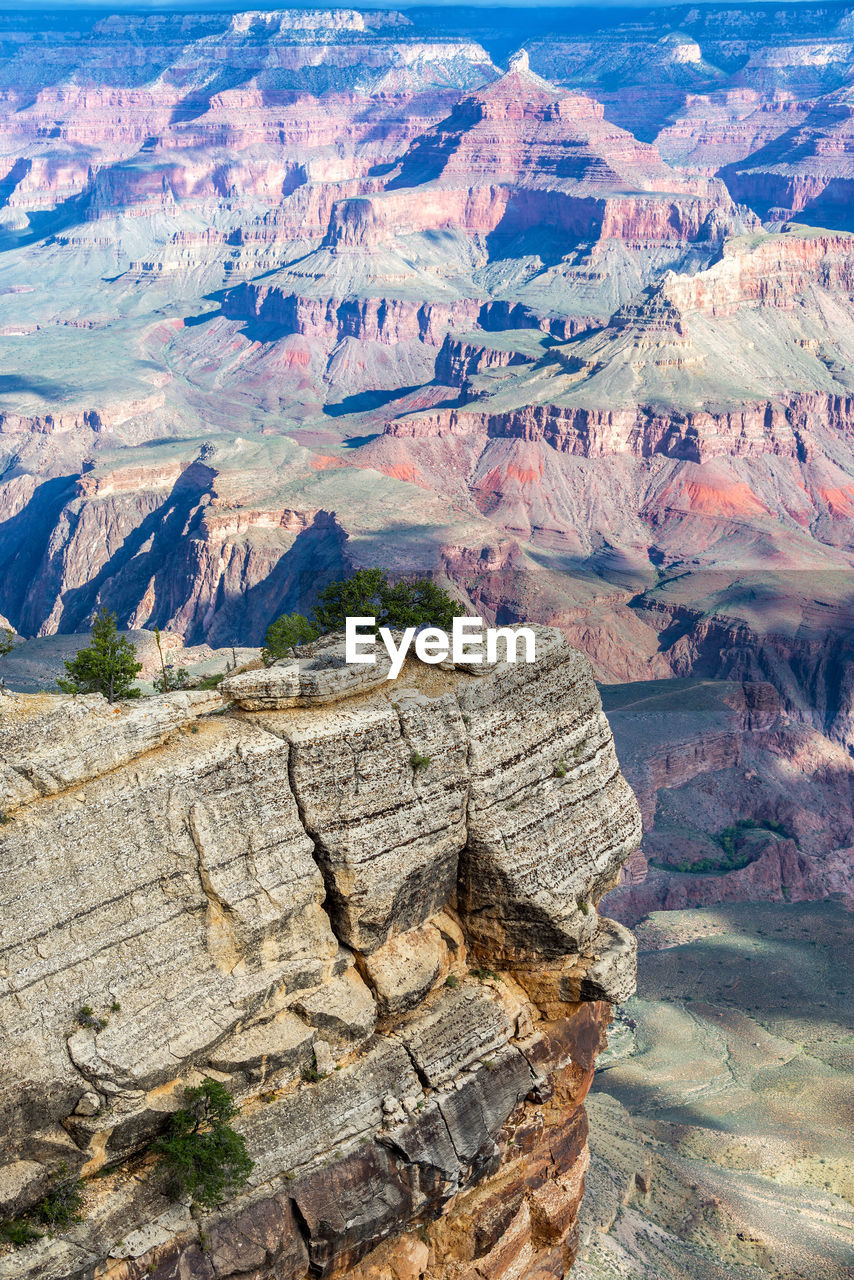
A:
(368, 907)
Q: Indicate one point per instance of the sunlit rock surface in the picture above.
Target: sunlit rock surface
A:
(373, 917)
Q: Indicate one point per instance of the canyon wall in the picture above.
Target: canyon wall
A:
(368, 907)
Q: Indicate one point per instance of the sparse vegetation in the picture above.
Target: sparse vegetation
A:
(366, 593)
(4, 817)
(8, 641)
(419, 763)
(210, 682)
(452, 980)
(108, 666)
(483, 974)
(64, 1202)
(172, 678)
(205, 1158)
(738, 851)
(18, 1232)
(61, 1207)
(561, 769)
(87, 1017)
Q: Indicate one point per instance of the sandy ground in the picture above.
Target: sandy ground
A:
(721, 1119)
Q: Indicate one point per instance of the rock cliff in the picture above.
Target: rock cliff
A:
(367, 906)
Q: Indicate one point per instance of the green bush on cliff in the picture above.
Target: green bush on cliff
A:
(8, 641)
(18, 1232)
(367, 593)
(63, 1204)
(60, 1208)
(287, 632)
(108, 666)
(204, 1157)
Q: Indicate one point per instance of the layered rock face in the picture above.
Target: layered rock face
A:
(739, 802)
(288, 294)
(369, 909)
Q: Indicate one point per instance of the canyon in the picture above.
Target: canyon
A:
(555, 306)
(270, 279)
(299, 886)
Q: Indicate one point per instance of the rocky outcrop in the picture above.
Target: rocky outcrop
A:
(460, 358)
(696, 436)
(331, 319)
(370, 909)
(805, 173)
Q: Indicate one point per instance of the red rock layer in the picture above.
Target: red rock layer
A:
(517, 1222)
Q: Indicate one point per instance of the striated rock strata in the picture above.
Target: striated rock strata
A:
(369, 910)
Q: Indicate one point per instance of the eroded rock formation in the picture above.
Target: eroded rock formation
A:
(370, 909)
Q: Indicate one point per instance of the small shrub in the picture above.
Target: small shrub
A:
(4, 817)
(108, 666)
(419, 762)
(205, 1158)
(310, 1075)
(63, 1204)
(452, 980)
(18, 1232)
(209, 682)
(288, 632)
(171, 679)
(115, 1007)
(561, 769)
(8, 641)
(483, 974)
(87, 1017)
(584, 908)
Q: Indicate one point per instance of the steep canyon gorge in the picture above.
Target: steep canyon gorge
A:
(557, 307)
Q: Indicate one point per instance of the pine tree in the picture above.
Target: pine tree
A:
(358, 596)
(204, 1156)
(418, 604)
(287, 632)
(108, 666)
(368, 594)
(8, 641)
